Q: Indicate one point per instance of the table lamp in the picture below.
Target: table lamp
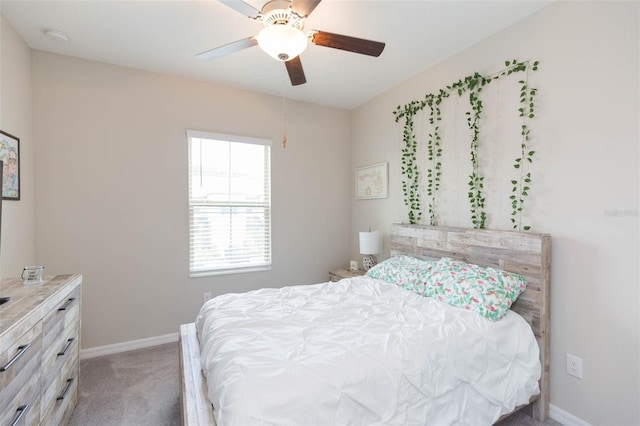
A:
(369, 246)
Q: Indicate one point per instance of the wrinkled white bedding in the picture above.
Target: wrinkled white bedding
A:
(361, 352)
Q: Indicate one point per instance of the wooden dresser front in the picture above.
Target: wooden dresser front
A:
(39, 351)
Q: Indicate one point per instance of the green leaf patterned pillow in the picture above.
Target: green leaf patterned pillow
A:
(404, 271)
(487, 291)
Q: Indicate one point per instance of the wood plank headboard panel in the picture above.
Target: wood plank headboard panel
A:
(527, 254)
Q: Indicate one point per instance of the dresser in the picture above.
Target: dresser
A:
(39, 350)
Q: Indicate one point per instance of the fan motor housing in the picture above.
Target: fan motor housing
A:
(278, 12)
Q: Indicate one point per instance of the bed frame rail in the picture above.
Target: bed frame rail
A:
(196, 408)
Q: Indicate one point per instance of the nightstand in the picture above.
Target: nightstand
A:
(338, 274)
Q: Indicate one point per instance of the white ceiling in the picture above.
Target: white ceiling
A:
(164, 36)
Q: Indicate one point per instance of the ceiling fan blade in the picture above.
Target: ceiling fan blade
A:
(350, 44)
(228, 49)
(296, 73)
(242, 7)
(303, 8)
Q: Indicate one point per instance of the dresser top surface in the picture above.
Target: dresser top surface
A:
(27, 298)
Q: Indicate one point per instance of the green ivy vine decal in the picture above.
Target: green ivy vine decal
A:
(434, 151)
(472, 85)
(521, 187)
(409, 167)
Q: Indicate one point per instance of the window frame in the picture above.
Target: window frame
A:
(228, 269)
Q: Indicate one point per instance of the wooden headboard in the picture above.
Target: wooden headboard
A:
(527, 254)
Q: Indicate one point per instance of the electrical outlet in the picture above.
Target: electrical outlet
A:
(207, 296)
(574, 366)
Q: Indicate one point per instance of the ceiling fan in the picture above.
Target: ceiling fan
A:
(282, 37)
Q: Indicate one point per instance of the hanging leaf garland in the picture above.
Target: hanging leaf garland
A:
(434, 152)
(473, 85)
(409, 168)
(521, 186)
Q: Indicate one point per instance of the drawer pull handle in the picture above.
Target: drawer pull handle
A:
(65, 390)
(22, 410)
(66, 305)
(22, 349)
(66, 347)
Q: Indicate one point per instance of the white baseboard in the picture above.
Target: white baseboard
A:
(564, 418)
(128, 346)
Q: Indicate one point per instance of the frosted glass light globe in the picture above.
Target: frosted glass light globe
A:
(282, 42)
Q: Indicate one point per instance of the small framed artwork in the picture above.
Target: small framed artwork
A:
(372, 181)
(353, 265)
(10, 156)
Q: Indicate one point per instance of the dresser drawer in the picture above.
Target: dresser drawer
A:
(62, 316)
(59, 370)
(66, 346)
(60, 336)
(24, 408)
(60, 407)
(20, 378)
(58, 362)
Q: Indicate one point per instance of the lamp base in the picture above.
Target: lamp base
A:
(369, 261)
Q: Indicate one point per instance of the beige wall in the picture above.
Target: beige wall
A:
(18, 217)
(586, 166)
(112, 194)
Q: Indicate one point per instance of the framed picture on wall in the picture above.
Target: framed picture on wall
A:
(10, 156)
(372, 181)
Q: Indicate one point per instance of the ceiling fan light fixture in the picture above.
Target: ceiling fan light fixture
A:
(282, 42)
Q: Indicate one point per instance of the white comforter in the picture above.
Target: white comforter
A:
(361, 352)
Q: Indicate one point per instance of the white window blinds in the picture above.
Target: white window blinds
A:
(229, 203)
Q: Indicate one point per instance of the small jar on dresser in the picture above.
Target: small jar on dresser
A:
(39, 350)
(338, 274)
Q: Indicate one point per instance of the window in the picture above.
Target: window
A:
(229, 204)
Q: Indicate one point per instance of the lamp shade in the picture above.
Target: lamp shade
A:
(369, 242)
(282, 42)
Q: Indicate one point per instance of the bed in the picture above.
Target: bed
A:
(526, 254)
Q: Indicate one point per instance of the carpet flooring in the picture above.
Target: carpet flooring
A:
(142, 387)
(136, 388)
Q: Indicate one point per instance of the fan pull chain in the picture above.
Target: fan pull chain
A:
(284, 117)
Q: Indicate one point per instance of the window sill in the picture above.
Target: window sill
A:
(229, 271)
